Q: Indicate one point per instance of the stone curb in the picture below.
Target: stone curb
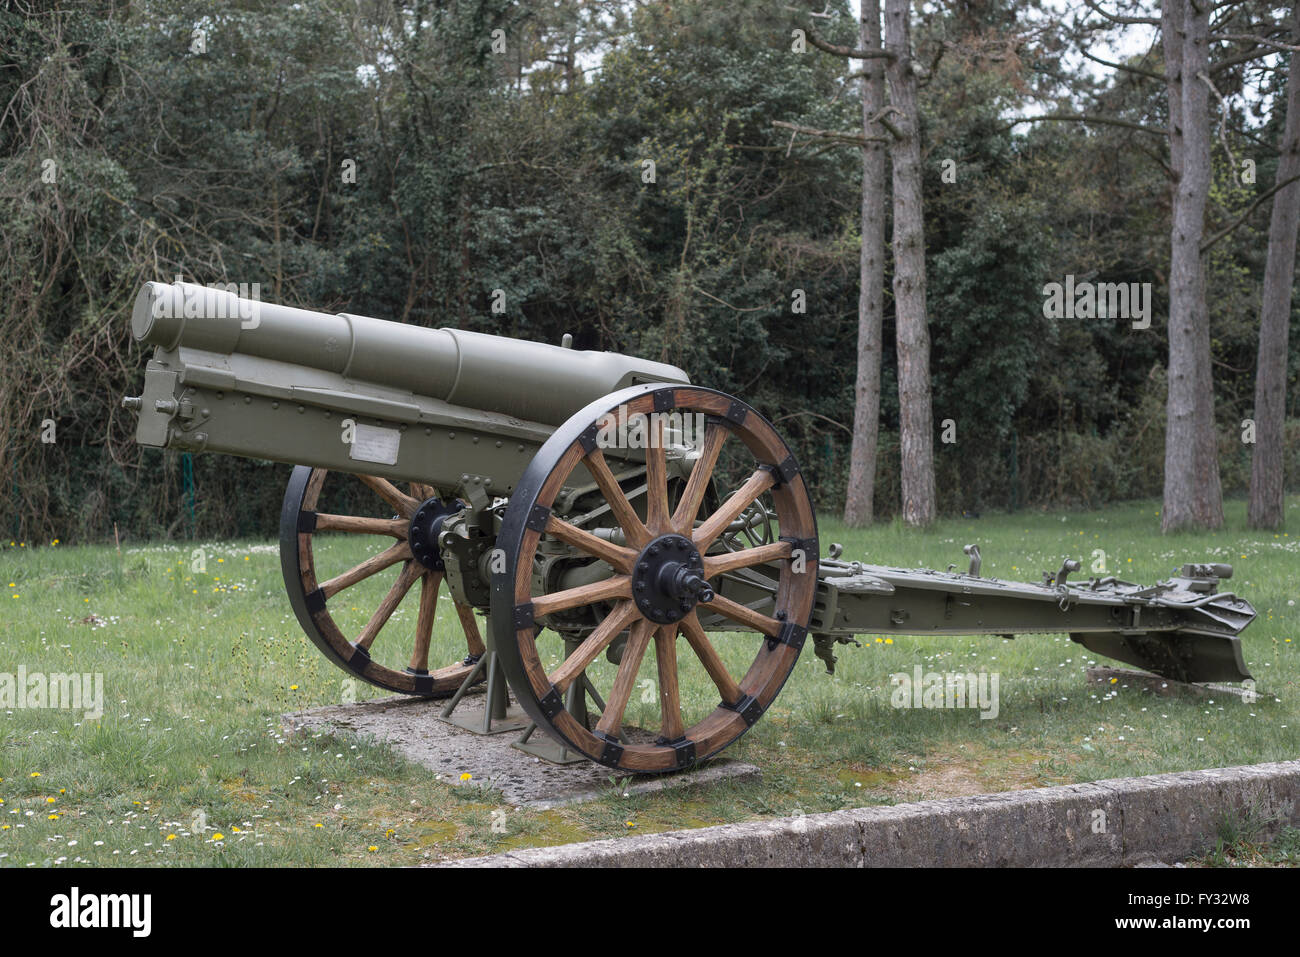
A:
(1157, 818)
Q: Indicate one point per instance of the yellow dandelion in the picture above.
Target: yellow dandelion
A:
(372, 848)
(466, 776)
(318, 824)
(54, 817)
(1114, 681)
(171, 837)
(218, 836)
(889, 641)
(34, 774)
(293, 687)
(49, 800)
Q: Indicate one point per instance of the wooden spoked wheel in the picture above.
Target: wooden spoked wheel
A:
(397, 662)
(669, 560)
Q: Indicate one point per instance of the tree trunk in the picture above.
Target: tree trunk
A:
(859, 500)
(916, 424)
(1192, 493)
(1267, 507)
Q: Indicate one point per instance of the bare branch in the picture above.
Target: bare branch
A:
(710, 295)
(821, 43)
(1222, 65)
(882, 117)
(1086, 118)
(1262, 41)
(815, 415)
(1115, 18)
(856, 139)
(1125, 67)
(1223, 117)
(1205, 246)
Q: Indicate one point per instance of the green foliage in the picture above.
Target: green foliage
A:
(519, 177)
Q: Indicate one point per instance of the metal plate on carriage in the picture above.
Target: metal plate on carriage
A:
(374, 444)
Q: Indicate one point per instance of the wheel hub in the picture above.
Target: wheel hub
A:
(426, 523)
(668, 580)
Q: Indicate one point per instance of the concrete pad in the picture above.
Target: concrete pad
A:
(411, 727)
(1160, 818)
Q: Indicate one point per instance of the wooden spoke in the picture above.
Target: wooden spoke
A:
(620, 586)
(391, 494)
(607, 611)
(730, 510)
(398, 551)
(384, 664)
(745, 616)
(611, 719)
(410, 572)
(593, 645)
(618, 556)
(397, 527)
(429, 585)
(717, 564)
(656, 478)
(711, 660)
(670, 699)
(637, 534)
(689, 505)
(469, 624)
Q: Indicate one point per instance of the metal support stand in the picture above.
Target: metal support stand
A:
(575, 702)
(498, 714)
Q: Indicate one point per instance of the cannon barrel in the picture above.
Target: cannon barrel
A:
(234, 375)
(530, 380)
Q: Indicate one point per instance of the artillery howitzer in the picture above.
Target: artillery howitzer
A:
(598, 496)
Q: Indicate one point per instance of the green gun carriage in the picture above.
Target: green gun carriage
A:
(589, 504)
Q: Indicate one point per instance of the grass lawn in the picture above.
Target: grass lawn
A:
(189, 764)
